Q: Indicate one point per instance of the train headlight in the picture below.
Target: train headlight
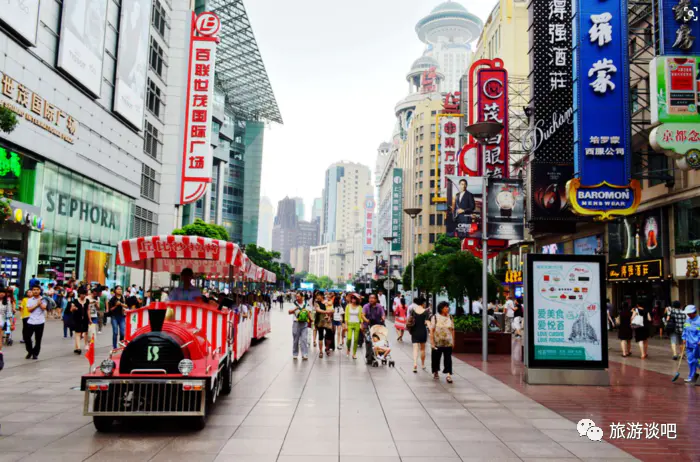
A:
(107, 367)
(185, 366)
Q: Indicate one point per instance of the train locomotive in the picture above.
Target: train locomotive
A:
(177, 358)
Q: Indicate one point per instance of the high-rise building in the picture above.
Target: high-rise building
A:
(447, 32)
(317, 209)
(300, 209)
(254, 134)
(289, 232)
(299, 259)
(266, 222)
(347, 185)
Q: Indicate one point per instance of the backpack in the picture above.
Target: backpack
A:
(303, 315)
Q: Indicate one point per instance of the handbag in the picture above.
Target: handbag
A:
(670, 324)
(637, 320)
(411, 321)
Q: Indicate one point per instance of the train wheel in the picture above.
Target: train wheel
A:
(199, 422)
(228, 379)
(103, 424)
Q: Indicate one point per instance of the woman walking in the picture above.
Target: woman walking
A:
(80, 313)
(324, 311)
(116, 306)
(400, 311)
(442, 340)
(338, 316)
(657, 319)
(641, 333)
(675, 318)
(418, 327)
(624, 330)
(353, 323)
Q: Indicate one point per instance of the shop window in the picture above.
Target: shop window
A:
(150, 185)
(159, 19)
(431, 238)
(152, 141)
(157, 59)
(687, 226)
(154, 99)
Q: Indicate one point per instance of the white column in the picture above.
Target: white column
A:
(207, 206)
(220, 193)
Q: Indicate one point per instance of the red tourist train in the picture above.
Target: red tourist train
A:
(178, 357)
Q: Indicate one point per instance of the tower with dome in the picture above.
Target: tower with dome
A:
(448, 30)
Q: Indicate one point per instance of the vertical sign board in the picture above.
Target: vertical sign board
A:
(396, 210)
(195, 173)
(132, 61)
(82, 43)
(566, 312)
(505, 209)
(368, 240)
(680, 27)
(550, 139)
(22, 16)
(602, 144)
(492, 106)
(448, 150)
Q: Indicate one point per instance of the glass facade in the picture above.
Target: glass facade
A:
(687, 226)
(84, 221)
(254, 136)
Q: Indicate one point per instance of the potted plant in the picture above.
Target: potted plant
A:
(468, 337)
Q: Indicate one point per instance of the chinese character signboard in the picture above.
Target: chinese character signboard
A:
(397, 209)
(506, 209)
(492, 106)
(566, 318)
(195, 174)
(680, 27)
(635, 270)
(602, 143)
(368, 240)
(550, 139)
(449, 147)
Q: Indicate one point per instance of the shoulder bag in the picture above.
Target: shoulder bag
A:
(637, 320)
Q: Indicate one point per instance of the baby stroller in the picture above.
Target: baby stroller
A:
(7, 328)
(378, 336)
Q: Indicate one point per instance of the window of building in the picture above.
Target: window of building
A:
(159, 20)
(420, 200)
(157, 58)
(421, 173)
(432, 184)
(145, 223)
(432, 159)
(432, 220)
(154, 99)
(634, 99)
(421, 137)
(152, 141)
(433, 113)
(420, 238)
(149, 183)
(440, 218)
(421, 161)
(432, 148)
(432, 172)
(431, 238)
(420, 220)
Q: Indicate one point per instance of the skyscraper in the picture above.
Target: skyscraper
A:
(300, 209)
(266, 222)
(347, 185)
(317, 209)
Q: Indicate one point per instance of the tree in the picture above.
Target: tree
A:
(267, 259)
(8, 120)
(325, 283)
(203, 229)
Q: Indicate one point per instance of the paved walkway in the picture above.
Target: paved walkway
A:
(331, 409)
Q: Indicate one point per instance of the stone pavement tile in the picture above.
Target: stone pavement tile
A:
(80, 444)
(266, 421)
(553, 424)
(12, 456)
(70, 417)
(536, 414)
(524, 434)
(170, 456)
(430, 459)
(424, 434)
(307, 458)
(225, 420)
(47, 455)
(552, 459)
(369, 459)
(260, 433)
(246, 458)
(425, 449)
(593, 449)
(475, 435)
(137, 444)
(252, 447)
(310, 447)
(196, 446)
(538, 449)
(214, 432)
(497, 423)
(49, 429)
(365, 434)
(563, 435)
(483, 450)
(16, 443)
(10, 428)
(308, 421)
(22, 416)
(367, 448)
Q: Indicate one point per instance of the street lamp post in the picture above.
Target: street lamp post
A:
(389, 240)
(413, 213)
(482, 131)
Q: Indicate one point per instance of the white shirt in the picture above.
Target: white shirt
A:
(397, 301)
(37, 316)
(133, 291)
(382, 300)
(510, 308)
(476, 307)
(338, 314)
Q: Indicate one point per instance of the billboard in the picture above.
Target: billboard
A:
(82, 43)
(679, 27)
(674, 89)
(602, 148)
(566, 316)
(368, 238)
(505, 211)
(22, 16)
(306, 286)
(591, 245)
(550, 138)
(464, 205)
(637, 236)
(396, 210)
(448, 149)
(196, 164)
(492, 106)
(132, 61)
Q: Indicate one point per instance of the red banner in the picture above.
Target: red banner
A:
(492, 106)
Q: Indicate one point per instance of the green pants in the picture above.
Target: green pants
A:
(353, 333)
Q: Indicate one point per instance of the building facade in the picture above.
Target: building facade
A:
(266, 222)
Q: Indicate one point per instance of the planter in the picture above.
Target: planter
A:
(499, 343)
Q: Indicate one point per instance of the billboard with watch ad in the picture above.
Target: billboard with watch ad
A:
(505, 210)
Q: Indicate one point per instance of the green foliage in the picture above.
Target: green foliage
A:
(5, 209)
(321, 283)
(445, 244)
(267, 259)
(203, 229)
(8, 120)
(467, 323)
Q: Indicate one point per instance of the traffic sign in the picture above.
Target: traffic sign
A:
(389, 284)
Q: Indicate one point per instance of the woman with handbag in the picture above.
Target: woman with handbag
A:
(418, 327)
(640, 323)
(400, 311)
(624, 330)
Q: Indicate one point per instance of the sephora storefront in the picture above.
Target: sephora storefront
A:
(83, 222)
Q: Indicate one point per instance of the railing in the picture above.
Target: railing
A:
(145, 398)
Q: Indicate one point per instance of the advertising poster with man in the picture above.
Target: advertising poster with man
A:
(464, 205)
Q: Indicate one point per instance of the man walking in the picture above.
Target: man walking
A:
(691, 336)
(36, 306)
(510, 314)
(300, 327)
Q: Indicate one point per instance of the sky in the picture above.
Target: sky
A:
(337, 69)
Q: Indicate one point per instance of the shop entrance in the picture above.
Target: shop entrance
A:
(648, 294)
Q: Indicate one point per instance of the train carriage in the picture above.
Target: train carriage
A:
(177, 357)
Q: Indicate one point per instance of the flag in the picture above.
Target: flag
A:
(90, 353)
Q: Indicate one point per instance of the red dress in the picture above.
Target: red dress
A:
(400, 317)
